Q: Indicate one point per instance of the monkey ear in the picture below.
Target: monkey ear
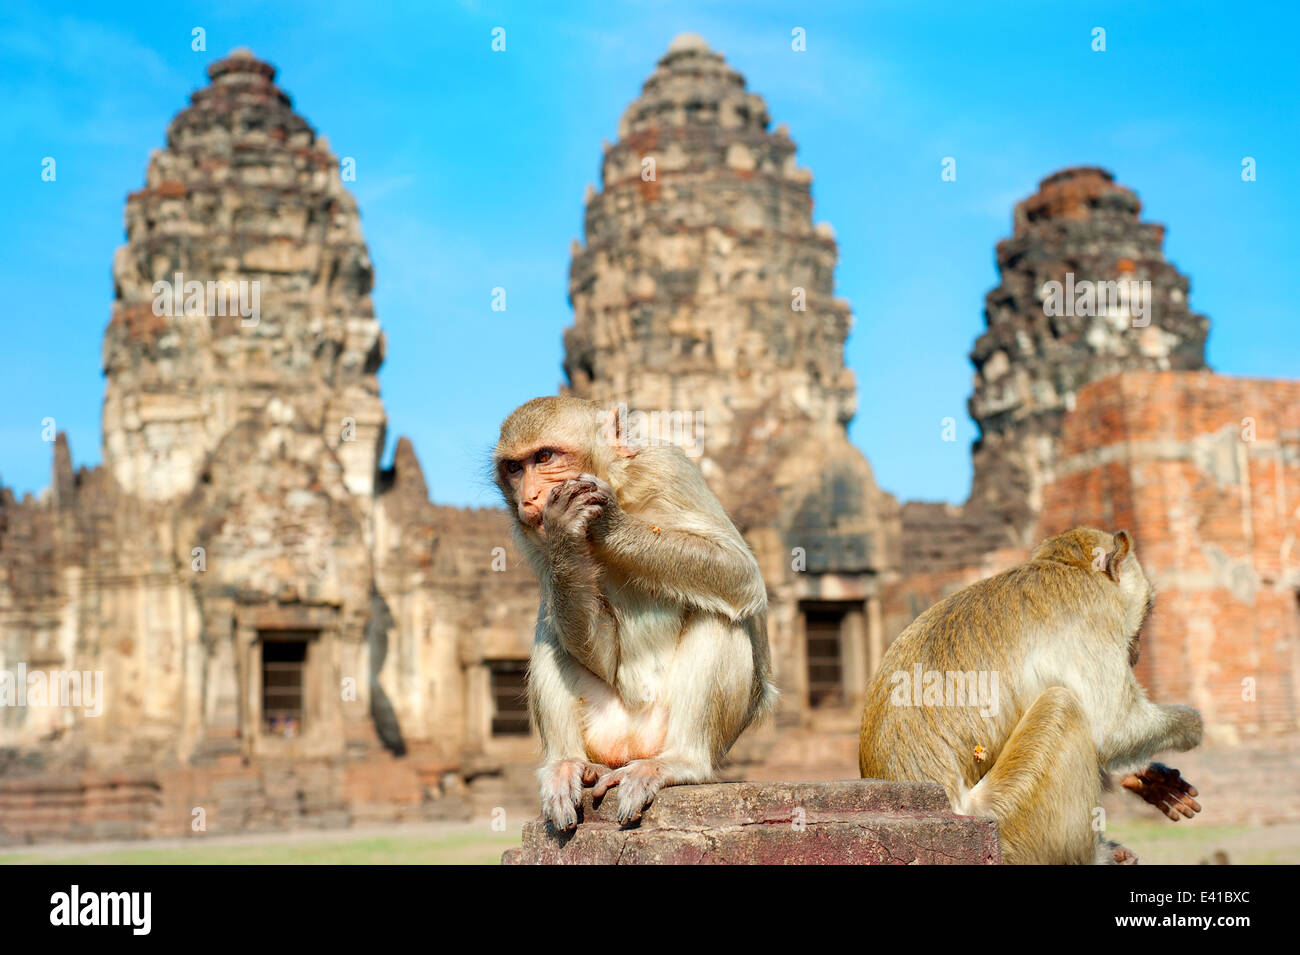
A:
(1116, 557)
(614, 428)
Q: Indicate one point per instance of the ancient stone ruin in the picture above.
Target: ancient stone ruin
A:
(276, 618)
(290, 634)
(703, 286)
(1085, 293)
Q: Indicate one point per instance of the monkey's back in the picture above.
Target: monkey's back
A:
(902, 739)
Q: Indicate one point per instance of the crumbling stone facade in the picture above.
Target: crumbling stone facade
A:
(244, 193)
(1085, 293)
(1095, 419)
(703, 285)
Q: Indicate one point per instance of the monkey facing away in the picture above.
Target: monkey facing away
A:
(1057, 638)
(651, 652)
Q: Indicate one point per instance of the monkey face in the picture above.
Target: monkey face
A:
(528, 481)
(543, 443)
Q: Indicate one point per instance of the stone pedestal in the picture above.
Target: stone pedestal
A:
(858, 822)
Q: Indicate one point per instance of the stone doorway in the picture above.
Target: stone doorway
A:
(284, 681)
(509, 689)
(824, 647)
(840, 651)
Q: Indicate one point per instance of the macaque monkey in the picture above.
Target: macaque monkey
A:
(1059, 634)
(651, 651)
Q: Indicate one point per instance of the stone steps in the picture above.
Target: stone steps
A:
(78, 807)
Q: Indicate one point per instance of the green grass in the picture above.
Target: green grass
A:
(461, 848)
(1155, 841)
(1158, 842)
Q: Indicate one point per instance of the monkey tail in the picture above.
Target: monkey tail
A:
(765, 700)
(763, 695)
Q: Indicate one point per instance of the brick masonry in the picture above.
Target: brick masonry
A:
(1204, 470)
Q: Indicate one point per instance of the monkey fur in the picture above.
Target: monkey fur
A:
(651, 653)
(1061, 633)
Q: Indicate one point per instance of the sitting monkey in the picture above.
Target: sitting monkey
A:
(651, 651)
(1060, 634)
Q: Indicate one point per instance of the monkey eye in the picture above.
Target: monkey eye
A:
(513, 467)
(543, 455)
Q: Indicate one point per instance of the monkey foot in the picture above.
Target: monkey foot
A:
(562, 783)
(639, 781)
(1112, 853)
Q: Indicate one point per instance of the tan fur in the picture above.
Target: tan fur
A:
(1059, 631)
(651, 652)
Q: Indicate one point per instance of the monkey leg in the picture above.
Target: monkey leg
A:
(1045, 784)
(708, 692)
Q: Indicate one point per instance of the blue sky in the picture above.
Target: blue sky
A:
(471, 167)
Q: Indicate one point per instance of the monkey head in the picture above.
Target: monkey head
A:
(1137, 596)
(1110, 556)
(545, 442)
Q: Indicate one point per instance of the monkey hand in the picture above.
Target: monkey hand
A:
(573, 506)
(1165, 789)
(562, 783)
(609, 512)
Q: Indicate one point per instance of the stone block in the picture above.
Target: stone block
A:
(857, 822)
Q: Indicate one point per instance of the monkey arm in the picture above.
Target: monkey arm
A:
(552, 698)
(1148, 728)
(715, 573)
(554, 702)
(577, 611)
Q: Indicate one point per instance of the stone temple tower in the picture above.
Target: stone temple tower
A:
(703, 285)
(704, 289)
(242, 402)
(1085, 293)
(220, 563)
(245, 203)
(276, 618)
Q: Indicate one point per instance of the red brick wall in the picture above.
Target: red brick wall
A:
(1216, 519)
